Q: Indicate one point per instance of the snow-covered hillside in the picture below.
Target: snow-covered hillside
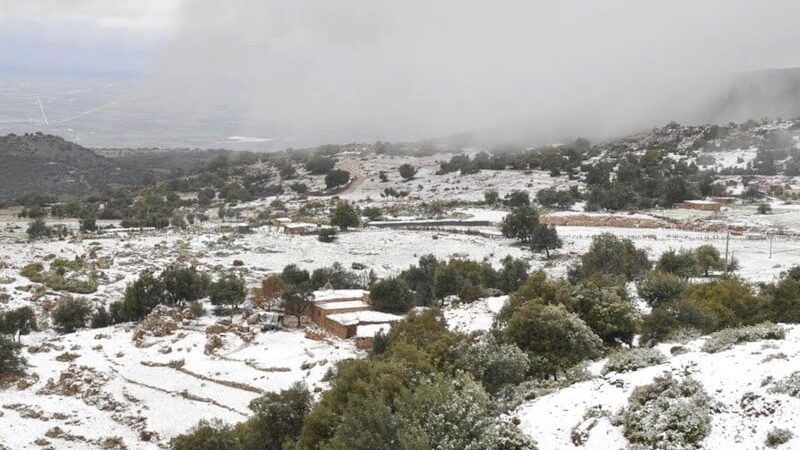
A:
(739, 379)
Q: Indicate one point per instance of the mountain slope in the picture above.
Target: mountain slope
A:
(51, 165)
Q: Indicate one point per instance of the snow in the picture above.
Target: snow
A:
(475, 316)
(343, 305)
(269, 363)
(726, 376)
(373, 329)
(365, 317)
(327, 295)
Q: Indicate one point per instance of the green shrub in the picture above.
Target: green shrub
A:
(38, 228)
(606, 309)
(494, 364)
(726, 339)
(18, 322)
(277, 418)
(407, 171)
(228, 291)
(140, 298)
(555, 338)
(344, 216)
(64, 275)
(682, 264)
(372, 212)
(777, 437)
(213, 435)
(101, 318)
(668, 414)
(10, 361)
(196, 309)
(520, 223)
(33, 272)
(633, 359)
(71, 314)
(391, 295)
(183, 284)
(789, 385)
(327, 235)
(611, 256)
(658, 288)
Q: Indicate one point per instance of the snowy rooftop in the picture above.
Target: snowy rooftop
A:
(701, 202)
(329, 295)
(344, 305)
(365, 317)
(299, 225)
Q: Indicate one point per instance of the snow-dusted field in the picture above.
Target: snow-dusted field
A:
(101, 383)
(113, 387)
(726, 377)
(427, 186)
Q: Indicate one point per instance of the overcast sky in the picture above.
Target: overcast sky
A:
(400, 69)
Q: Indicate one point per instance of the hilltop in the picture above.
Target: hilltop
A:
(49, 164)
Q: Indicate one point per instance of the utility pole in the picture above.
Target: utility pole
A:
(727, 242)
(770, 246)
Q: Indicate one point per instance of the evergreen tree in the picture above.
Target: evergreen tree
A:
(19, 322)
(407, 171)
(520, 223)
(213, 435)
(555, 338)
(71, 314)
(228, 291)
(545, 238)
(10, 360)
(344, 216)
(609, 255)
(391, 295)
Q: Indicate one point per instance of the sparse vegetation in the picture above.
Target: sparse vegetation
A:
(633, 359)
(726, 339)
(668, 413)
(71, 314)
(777, 437)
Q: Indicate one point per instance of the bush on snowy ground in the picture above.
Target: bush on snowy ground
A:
(510, 399)
(494, 364)
(726, 339)
(606, 308)
(777, 437)
(391, 295)
(612, 256)
(555, 338)
(10, 361)
(682, 263)
(658, 288)
(344, 216)
(668, 414)
(633, 359)
(506, 436)
(789, 385)
(71, 314)
(228, 292)
(213, 435)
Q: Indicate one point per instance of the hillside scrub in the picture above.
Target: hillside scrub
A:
(75, 276)
(633, 359)
(726, 339)
(789, 385)
(408, 394)
(609, 255)
(777, 437)
(668, 414)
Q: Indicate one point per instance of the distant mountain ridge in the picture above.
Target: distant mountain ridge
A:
(49, 164)
(708, 99)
